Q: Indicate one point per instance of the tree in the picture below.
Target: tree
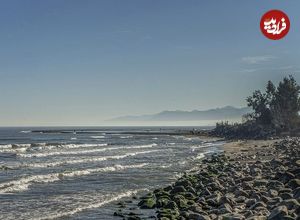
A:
(277, 107)
(285, 105)
(260, 103)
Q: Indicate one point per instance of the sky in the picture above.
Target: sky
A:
(81, 62)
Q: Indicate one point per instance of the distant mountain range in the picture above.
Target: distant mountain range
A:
(225, 113)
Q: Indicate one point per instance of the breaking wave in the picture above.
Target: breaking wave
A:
(97, 137)
(55, 153)
(87, 160)
(81, 208)
(24, 182)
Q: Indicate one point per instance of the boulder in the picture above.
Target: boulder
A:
(147, 203)
(278, 213)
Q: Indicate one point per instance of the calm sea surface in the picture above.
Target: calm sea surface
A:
(80, 173)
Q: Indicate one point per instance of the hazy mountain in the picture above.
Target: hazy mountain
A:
(224, 113)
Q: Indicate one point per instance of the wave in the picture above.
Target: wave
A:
(23, 183)
(109, 199)
(74, 146)
(18, 148)
(125, 137)
(87, 160)
(56, 153)
(97, 137)
(25, 131)
(5, 146)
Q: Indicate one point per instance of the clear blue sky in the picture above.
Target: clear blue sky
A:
(71, 62)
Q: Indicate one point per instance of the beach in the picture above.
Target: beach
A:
(253, 179)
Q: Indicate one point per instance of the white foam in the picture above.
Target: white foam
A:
(86, 160)
(5, 146)
(81, 208)
(125, 137)
(193, 148)
(55, 153)
(24, 182)
(199, 156)
(97, 137)
(14, 150)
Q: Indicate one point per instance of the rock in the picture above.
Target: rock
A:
(171, 205)
(265, 199)
(250, 202)
(290, 204)
(241, 192)
(230, 216)
(185, 183)
(180, 201)
(285, 190)
(191, 190)
(273, 192)
(275, 184)
(178, 189)
(189, 195)
(286, 195)
(168, 188)
(294, 183)
(240, 199)
(206, 192)
(296, 193)
(168, 213)
(227, 199)
(147, 203)
(196, 216)
(255, 217)
(286, 177)
(197, 209)
(162, 202)
(259, 183)
(224, 208)
(258, 204)
(278, 213)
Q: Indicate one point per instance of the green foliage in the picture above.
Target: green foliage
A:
(274, 111)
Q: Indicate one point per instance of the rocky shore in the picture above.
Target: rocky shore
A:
(251, 180)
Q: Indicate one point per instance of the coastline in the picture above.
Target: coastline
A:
(252, 179)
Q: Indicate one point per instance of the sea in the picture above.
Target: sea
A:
(83, 172)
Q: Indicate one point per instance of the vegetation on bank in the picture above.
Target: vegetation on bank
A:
(275, 113)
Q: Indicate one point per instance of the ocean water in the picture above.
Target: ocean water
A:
(81, 173)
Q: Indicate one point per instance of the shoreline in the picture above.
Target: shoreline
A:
(252, 179)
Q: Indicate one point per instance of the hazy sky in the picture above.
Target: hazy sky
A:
(80, 62)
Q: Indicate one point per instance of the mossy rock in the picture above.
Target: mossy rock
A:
(162, 194)
(188, 195)
(178, 189)
(180, 201)
(168, 188)
(171, 205)
(162, 202)
(148, 203)
(168, 213)
(184, 182)
(190, 202)
(149, 195)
